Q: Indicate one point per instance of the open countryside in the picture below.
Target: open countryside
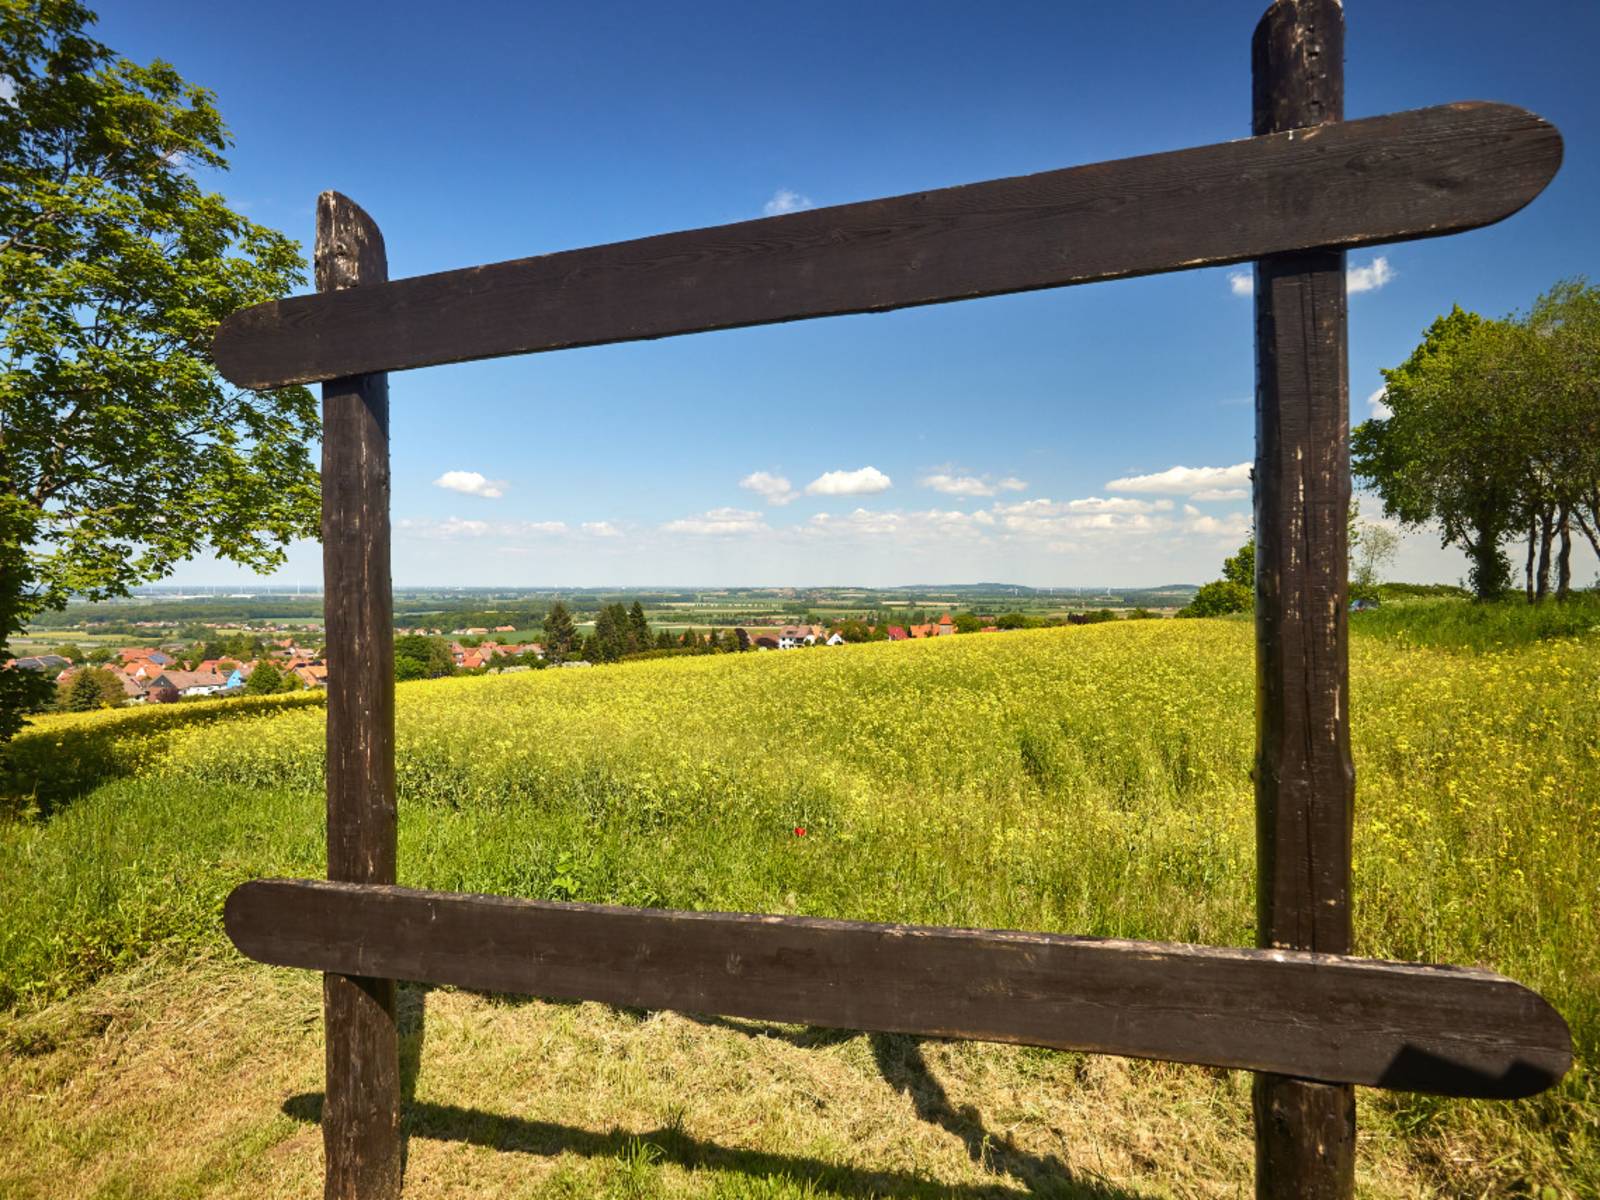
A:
(991, 605)
(1091, 778)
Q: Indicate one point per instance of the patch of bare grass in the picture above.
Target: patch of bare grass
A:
(205, 1081)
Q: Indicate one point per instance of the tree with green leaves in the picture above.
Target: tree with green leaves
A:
(88, 690)
(639, 627)
(1457, 447)
(1372, 547)
(418, 656)
(122, 451)
(560, 634)
(1235, 592)
(264, 680)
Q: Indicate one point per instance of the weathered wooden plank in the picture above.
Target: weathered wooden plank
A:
(1438, 1029)
(1407, 175)
(1305, 778)
(361, 1115)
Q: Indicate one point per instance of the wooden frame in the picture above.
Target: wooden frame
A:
(1310, 1020)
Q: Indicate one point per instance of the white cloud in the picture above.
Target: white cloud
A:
(1187, 481)
(719, 522)
(1229, 527)
(972, 485)
(784, 200)
(863, 482)
(1221, 494)
(1356, 279)
(1368, 278)
(8, 88)
(1089, 504)
(932, 525)
(601, 529)
(455, 527)
(774, 489)
(471, 483)
(1378, 405)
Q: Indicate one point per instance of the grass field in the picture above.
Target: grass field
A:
(1090, 780)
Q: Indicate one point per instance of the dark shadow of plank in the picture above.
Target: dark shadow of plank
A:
(452, 1123)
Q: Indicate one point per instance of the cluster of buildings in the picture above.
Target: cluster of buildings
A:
(144, 672)
(470, 658)
(791, 636)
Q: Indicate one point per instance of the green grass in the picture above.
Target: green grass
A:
(1463, 625)
(1092, 780)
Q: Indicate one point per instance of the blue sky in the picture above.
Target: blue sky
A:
(1030, 439)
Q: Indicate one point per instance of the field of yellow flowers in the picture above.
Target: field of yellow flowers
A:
(1089, 779)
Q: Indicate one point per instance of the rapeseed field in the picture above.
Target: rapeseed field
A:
(1088, 780)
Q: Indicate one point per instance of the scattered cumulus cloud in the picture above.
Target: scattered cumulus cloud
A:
(471, 483)
(957, 484)
(1356, 279)
(1219, 482)
(1368, 278)
(785, 200)
(774, 489)
(1229, 527)
(455, 528)
(863, 482)
(1378, 404)
(719, 522)
(603, 529)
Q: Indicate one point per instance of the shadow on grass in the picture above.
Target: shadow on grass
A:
(899, 1058)
(46, 767)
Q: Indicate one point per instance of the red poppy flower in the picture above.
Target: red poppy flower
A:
(799, 831)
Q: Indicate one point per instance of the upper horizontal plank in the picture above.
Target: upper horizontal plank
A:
(1359, 183)
(1344, 1020)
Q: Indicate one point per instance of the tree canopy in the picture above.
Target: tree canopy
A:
(1492, 436)
(122, 450)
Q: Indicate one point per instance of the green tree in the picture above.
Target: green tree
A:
(1218, 598)
(82, 692)
(638, 628)
(968, 623)
(264, 680)
(417, 656)
(1240, 568)
(122, 451)
(1455, 449)
(1562, 360)
(560, 634)
(1372, 547)
(1234, 592)
(70, 651)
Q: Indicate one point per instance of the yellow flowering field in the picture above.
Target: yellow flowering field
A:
(1087, 779)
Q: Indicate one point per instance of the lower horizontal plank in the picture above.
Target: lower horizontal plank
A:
(1448, 1030)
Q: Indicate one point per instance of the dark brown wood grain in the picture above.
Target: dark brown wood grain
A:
(361, 1113)
(1304, 775)
(1393, 1025)
(1408, 175)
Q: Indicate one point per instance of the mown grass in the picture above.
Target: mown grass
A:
(1092, 780)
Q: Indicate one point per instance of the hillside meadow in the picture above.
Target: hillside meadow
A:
(1089, 780)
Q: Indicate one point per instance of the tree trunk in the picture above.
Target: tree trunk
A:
(1533, 540)
(1546, 534)
(1564, 556)
(1591, 531)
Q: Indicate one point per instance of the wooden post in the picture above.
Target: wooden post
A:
(361, 1108)
(1305, 780)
